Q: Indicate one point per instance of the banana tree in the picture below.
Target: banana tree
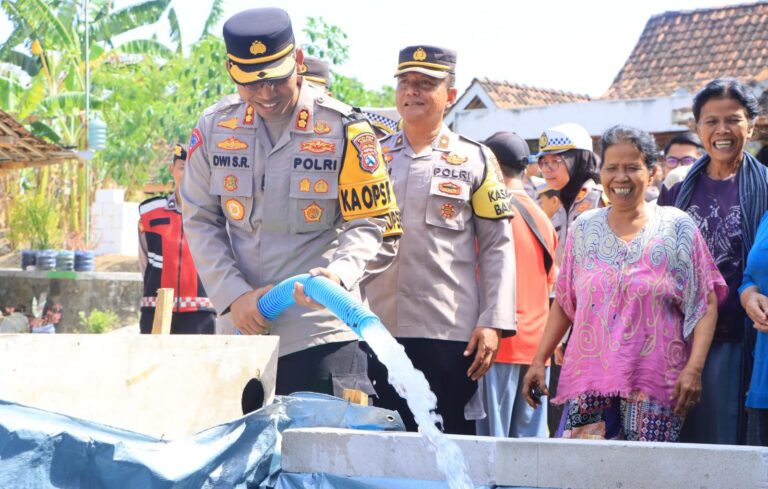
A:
(47, 48)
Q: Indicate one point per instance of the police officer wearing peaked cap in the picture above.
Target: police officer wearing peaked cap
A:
(268, 194)
(452, 197)
(315, 70)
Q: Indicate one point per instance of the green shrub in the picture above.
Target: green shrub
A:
(35, 222)
(98, 321)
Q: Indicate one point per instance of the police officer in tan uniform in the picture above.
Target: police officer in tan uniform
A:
(451, 197)
(281, 180)
(315, 71)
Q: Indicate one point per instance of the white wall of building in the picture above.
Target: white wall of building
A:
(652, 115)
(114, 223)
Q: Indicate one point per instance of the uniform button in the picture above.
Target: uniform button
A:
(320, 100)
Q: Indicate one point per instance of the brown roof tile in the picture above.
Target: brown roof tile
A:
(514, 96)
(687, 49)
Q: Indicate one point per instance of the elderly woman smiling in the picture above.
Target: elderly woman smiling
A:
(726, 194)
(641, 289)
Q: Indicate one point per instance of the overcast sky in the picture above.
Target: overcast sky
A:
(573, 45)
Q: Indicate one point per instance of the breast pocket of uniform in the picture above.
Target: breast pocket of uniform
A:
(448, 203)
(313, 202)
(235, 189)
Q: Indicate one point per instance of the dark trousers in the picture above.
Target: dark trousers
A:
(328, 369)
(196, 322)
(757, 427)
(445, 368)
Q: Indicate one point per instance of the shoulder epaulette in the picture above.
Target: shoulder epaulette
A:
(223, 104)
(331, 103)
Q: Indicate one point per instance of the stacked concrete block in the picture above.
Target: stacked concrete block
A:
(114, 223)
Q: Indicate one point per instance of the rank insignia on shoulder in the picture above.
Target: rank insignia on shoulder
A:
(313, 212)
(235, 209)
(302, 119)
(399, 141)
(194, 142)
(443, 143)
(447, 211)
(318, 146)
(230, 183)
(366, 148)
(322, 127)
(304, 185)
(321, 187)
(584, 206)
(248, 118)
(232, 144)
(455, 159)
(582, 193)
(229, 123)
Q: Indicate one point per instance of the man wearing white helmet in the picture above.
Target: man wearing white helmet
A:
(569, 166)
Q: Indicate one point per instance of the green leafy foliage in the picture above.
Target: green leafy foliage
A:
(98, 321)
(35, 223)
(329, 42)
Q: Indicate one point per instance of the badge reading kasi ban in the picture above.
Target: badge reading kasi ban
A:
(365, 143)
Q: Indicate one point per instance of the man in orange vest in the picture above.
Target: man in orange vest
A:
(166, 262)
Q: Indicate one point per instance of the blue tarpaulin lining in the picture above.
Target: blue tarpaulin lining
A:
(40, 449)
(330, 481)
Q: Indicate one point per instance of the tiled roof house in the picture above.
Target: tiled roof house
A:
(686, 49)
(484, 93)
(676, 55)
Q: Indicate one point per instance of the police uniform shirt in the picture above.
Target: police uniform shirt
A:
(431, 290)
(257, 213)
(590, 196)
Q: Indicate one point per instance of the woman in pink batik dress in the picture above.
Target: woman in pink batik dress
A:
(639, 286)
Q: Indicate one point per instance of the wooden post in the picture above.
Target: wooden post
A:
(163, 312)
(356, 397)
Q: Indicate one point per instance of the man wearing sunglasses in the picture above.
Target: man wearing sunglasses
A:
(282, 179)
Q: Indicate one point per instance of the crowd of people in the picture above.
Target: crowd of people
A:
(618, 294)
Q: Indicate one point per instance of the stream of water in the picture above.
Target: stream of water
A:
(414, 388)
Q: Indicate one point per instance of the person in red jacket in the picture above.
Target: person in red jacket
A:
(166, 262)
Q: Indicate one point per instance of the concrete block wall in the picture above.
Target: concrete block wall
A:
(114, 223)
(530, 462)
(119, 292)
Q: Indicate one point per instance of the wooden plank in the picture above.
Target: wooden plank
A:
(356, 397)
(163, 312)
